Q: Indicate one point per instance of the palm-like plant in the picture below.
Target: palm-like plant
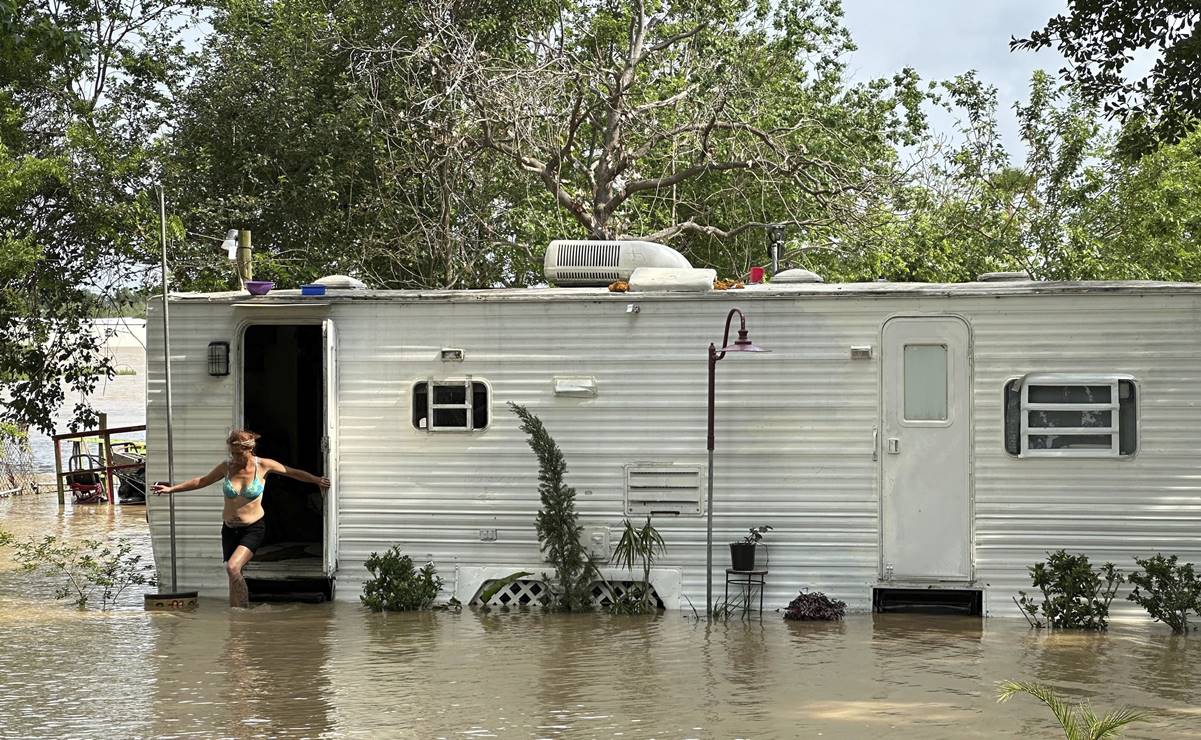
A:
(1079, 722)
(639, 544)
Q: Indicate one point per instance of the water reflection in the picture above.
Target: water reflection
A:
(237, 672)
(339, 670)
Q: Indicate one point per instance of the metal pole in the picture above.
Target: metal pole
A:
(709, 491)
(162, 205)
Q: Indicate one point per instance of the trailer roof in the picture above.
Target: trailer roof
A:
(767, 291)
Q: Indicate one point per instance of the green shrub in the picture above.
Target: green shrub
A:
(558, 524)
(85, 568)
(1167, 591)
(396, 586)
(1074, 595)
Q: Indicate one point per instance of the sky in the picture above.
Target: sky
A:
(944, 38)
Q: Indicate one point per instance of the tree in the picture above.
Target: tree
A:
(694, 123)
(332, 133)
(82, 89)
(1149, 217)
(1100, 38)
(967, 208)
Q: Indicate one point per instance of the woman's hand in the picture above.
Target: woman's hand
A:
(322, 482)
(161, 488)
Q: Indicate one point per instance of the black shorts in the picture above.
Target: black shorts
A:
(250, 536)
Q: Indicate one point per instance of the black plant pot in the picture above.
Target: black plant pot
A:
(742, 555)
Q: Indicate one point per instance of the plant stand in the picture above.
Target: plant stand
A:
(747, 581)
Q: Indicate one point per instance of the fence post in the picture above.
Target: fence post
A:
(106, 458)
(58, 472)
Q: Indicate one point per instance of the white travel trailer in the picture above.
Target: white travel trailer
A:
(902, 439)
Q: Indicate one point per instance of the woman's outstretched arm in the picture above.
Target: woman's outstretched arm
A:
(273, 466)
(208, 479)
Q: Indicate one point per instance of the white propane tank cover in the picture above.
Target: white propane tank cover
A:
(797, 275)
(671, 280)
(341, 281)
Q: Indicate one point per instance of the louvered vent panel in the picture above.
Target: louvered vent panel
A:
(590, 275)
(663, 489)
(574, 255)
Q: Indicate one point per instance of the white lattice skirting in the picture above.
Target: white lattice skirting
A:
(533, 591)
(528, 592)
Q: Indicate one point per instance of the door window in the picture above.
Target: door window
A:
(925, 382)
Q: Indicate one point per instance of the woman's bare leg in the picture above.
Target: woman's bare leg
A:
(238, 594)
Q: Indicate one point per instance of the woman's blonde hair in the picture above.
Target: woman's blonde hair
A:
(242, 438)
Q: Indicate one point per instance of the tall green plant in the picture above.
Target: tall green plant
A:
(558, 523)
(1079, 722)
(1167, 590)
(638, 545)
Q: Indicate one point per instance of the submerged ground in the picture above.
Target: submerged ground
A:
(338, 670)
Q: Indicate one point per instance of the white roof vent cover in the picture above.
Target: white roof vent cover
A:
(341, 281)
(578, 262)
(797, 275)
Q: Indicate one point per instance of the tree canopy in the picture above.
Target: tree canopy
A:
(1102, 39)
(83, 90)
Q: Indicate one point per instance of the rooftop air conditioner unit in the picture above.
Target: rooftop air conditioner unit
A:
(582, 262)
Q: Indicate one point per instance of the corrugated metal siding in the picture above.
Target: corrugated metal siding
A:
(794, 430)
(432, 492)
(202, 414)
(1111, 509)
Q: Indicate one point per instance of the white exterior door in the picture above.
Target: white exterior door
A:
(926, 502)
(329, 446)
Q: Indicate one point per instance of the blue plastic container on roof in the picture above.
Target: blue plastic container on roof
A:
(312, 289)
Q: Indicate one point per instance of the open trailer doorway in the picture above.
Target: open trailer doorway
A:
(285, 372)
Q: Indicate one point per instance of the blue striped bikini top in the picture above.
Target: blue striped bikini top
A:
(253, 489)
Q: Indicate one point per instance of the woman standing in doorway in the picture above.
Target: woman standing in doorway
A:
(243, 527)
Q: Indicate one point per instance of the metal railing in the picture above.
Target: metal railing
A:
(104, 434)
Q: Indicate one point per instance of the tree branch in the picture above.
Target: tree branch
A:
(692, 227)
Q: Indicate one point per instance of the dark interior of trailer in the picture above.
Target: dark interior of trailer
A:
(283, 401)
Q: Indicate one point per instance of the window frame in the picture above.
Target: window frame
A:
(1114, 431)
(468, 383)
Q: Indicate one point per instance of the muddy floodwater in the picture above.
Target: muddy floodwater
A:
(284, 670)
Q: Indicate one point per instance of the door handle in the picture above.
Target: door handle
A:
(894, 446)
(875, 443)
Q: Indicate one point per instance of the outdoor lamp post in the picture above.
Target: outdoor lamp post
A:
(741, 344)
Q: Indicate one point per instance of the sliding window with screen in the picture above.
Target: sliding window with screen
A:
(453, 406)
(1071, 415)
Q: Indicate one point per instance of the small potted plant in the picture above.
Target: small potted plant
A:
(742, 552)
